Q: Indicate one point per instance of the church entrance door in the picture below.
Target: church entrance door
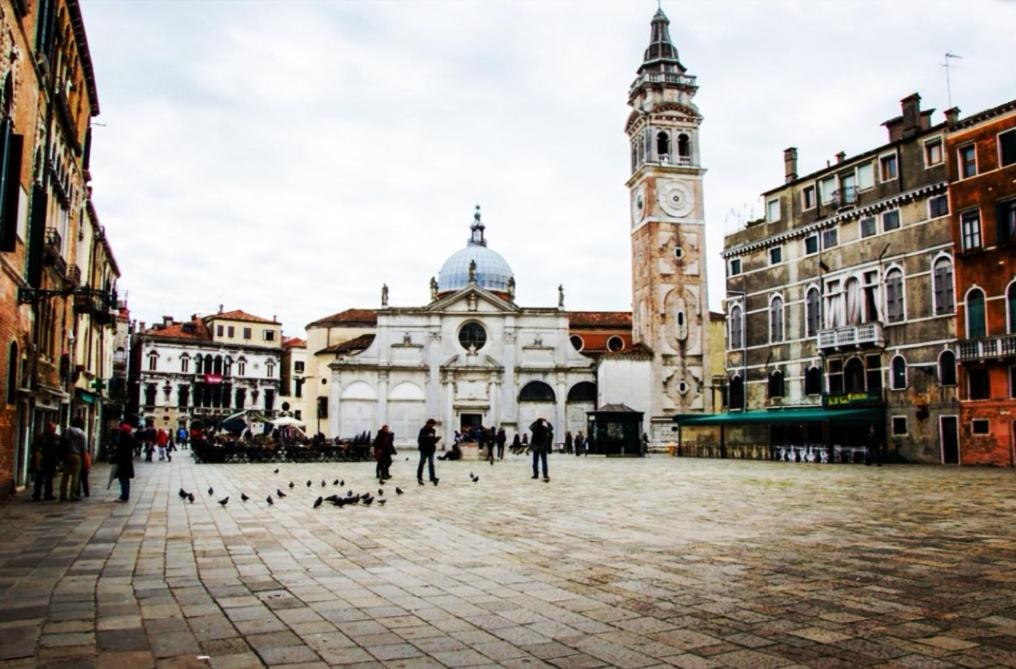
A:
(468, 421)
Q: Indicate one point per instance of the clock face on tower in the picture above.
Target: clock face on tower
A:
(638, 204)
(674, 198)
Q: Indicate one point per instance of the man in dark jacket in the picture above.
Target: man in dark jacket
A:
(123, 458)
(426, 441)
(502, 439)
(542, 436)
(45, 452)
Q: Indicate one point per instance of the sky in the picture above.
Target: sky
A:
(289, 157)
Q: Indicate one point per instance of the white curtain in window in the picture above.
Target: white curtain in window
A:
(853, 290)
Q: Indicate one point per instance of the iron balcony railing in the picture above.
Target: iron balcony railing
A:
(866, 334)
(983, 348)
(664, 78)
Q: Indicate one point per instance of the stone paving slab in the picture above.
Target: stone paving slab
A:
(620, 563)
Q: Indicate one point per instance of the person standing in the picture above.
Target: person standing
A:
(123, 458)
(74, 444)
(540, 443)
(516, 444)
(426, 442)
(873, 452)
(45, 451)
(384, 449)
(501, 438)
(568, 442)
(162, 441)
(580, 444)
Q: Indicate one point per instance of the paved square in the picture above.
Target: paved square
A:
(624, 563)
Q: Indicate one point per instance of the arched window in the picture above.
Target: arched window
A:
(947, 369)
(184, 363)
(736, 327)
(894, 295)
(975, 314)
(583, 391)
(735, 396)
(12, 371)
(776, 388)
(241, 367)
(270, 369)
(852, 291)
(1010, 308)
(217, 365)
(899, 373)
(813, 381)
(853, 376)
(683, 146)
(776, 319)
(662, 144)
(153, 361)
(945, 302)
(199, 364)
(536, 391)
(227, 366)
(813, 311)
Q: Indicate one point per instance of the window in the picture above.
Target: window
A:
(848, 189)
(735, 395)
(298, 367)
(472, 336)
(735, 266)
(810, 244)
(947, 369)
(663, 144)
(887, 165)
(813, 381)
(776, 255)
(853, 376)
(894, 295)
(868, 226)
(865, 176)
(269, 400)
(241, 367)
(246, 333)
(975, 314)
(776, 319)
(854, 306)
(773, 210)
(808, 197)
(1010, 308)
(933, 152)
(1007, 147)
(298, 414)
(182, 396)
(1012, 382)
(938, 206)
(813, 312)
(150, 393)
(230, 331)
(615, 344)
(576, 342)
(184, 363)
(776, 386)
(270, 369)
(980, 426)
(970, 229)
(322, 407)
(899, 426)
(683, 146)
(153, 359)
(1006, 220)
(835, 376)
(898, 369)
(241, 397)
(736, 327)
(873, 373)
(217, 365)
(827, 189)
(977, 380)
(968, 161)
(890, 220)
(269, 335)
(943, 288)
(218, 330)
(830, 238)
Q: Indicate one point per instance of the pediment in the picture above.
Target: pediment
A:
(473, 299)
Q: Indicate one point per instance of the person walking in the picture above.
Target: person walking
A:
(45, 452)
(568, 442)
(123, 458)
(516, 446)
(384, 449)
(74, 444)
(542, 439)
(86, 468)
(162, 441)
(426, 442)
(580, 444)
(501, 438)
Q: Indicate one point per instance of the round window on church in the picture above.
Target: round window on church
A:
(576, 342)
(472, 336)
(615, 344)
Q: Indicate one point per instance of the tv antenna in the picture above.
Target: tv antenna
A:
(948, 65)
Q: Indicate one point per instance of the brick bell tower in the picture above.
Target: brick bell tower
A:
(669, 299)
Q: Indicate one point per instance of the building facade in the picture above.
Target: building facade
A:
(293, 383)
(842, 297)
(981, 153)
(205, 369)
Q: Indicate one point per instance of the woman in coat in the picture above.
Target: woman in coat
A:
(123, 458)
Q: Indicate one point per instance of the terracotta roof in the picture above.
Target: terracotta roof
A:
(195, 330)
(293, 342)
(239, 315)
(354, 345)
(717, 316)
(348, 318)
(599, 319)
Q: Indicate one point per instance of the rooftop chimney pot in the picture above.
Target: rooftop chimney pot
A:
(790, 163)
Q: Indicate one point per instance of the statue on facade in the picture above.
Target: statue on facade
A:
(560, 296)
(472, 271)
(511, 288)
(433, 289)
(384, 295)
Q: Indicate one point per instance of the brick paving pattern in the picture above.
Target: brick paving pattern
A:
(621, 563)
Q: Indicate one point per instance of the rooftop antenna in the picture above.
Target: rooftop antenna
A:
(948, 65)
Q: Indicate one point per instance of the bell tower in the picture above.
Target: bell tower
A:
(670, 310)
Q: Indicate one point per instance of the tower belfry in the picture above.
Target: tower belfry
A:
(670, 313)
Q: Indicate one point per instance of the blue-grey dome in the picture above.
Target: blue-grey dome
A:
(492, 271)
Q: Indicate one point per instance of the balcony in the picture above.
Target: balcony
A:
(664, 78)
(852, 336)
(52, 251)
(987, 348)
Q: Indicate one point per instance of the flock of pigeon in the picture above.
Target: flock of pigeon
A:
(350, 498)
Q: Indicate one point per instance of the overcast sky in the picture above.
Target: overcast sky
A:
(289, 157)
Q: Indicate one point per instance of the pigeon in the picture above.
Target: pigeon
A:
(332, 498)
(276, 470)
(224, 501)
(190, 497)
(269, 500)
(182, 493)
(368, 500)
(210, 491)
(342, 483)
(381, 502)
(244, 497)
(290, 485)
(398, 490)
(349, 493)
(308, 484)
(280, 493)
(475, 478)
(380, 492)
(335, 482)
(318, 502)
(323, 484)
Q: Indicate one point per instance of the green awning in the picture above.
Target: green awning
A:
(785, 416)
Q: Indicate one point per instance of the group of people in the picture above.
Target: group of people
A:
(68, 451)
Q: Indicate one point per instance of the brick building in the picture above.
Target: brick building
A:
(981, 152)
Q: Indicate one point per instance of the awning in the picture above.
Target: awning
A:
(784, 417)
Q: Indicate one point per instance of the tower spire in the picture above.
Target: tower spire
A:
(661, 50)
(477, 228)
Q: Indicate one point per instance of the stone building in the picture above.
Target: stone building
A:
(981, 153)
(841, 299)
(206, 368)
(292, 388)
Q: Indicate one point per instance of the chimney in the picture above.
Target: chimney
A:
(952, 115)
(911, 114)
(790, 163)
(220, 308)
(142, 329)
(841, 156)
(167, 321)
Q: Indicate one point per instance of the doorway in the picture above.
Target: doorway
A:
(949, 432)
(467, 421)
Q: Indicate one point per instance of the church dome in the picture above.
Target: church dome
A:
(492, 271)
